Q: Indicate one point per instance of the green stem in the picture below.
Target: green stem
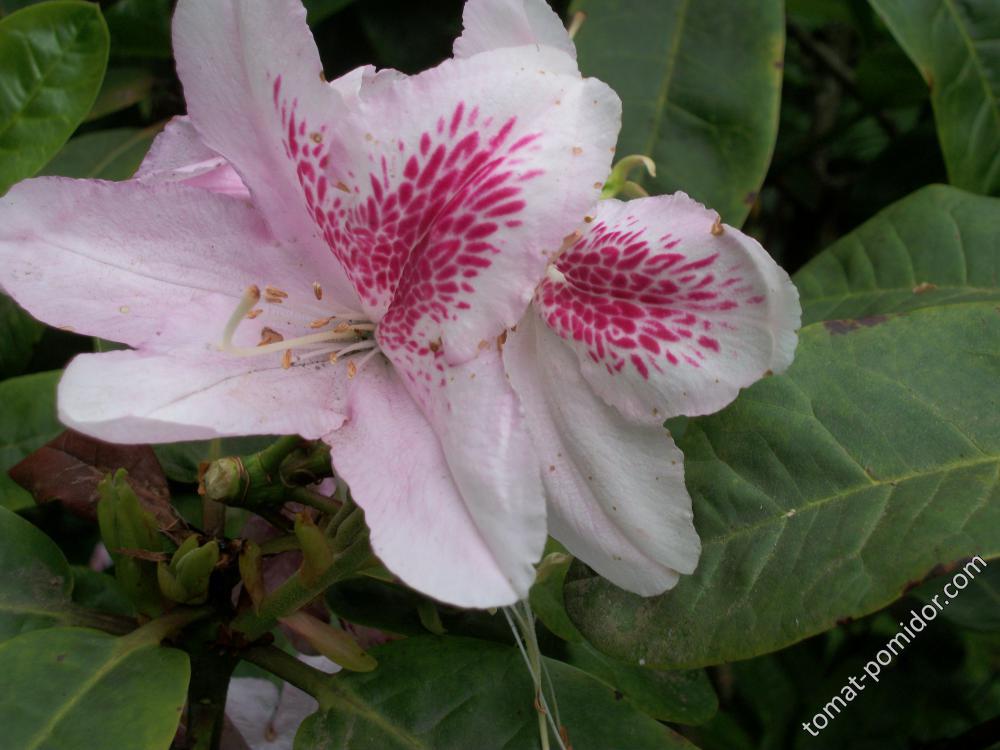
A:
(156, 630)
(294, 593)
(210, 675)
(313, 499)
(290, 669)
(213, 513)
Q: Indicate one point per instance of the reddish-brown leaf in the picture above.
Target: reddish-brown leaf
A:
(69, 468)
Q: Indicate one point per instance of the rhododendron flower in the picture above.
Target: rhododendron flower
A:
(416, 270)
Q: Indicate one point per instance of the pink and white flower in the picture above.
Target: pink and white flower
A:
(344, 261)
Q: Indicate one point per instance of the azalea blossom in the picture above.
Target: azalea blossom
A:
(416, 269)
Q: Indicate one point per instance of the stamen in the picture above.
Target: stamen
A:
(274, 295)
(269, 336)
(320, 323)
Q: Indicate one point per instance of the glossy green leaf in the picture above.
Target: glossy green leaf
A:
(441, 693)
(140, 29)
(27, 422)
(956, 46)
(122, 88)
(700, 83)
(35, 592)
(69, 688)
(52, 61)
(21, 333)
(821, 493)
(104, 155)
(935, 247)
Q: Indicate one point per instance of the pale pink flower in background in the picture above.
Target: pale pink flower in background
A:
(395, 228)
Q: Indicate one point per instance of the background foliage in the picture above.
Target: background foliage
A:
(860, 142)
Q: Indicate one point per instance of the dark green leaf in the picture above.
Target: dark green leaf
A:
(100, 592)
(821, 493)
(954, 43)
(122, 88)
(73, 687)
(977, 605)
(935, 247)
(37, 581)
(140, 29)
(460, 693)
(52, 60)
(319, 10)
(27, 422)
(21, 333)
(104, 155)
(700, 83)
(682, 696)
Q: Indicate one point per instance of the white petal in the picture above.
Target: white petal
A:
(454, 501)
(615, 489)
(471, 176)
(234, 58)
(159, 266)
(669, 310)
(135, 397)
(493, 24)
(179, 155)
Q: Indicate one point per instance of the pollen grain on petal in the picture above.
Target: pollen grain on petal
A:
(254, 313)
(317, 290)
(352, 369)
(717, 228)
(286, 359)
(320, 323)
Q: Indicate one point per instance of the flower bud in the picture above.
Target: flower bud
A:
(185, 580)
(316, 553)
(335, 644)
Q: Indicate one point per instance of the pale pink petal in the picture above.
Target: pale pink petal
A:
(453, 501)
(137, 397)
(158, 266)
(471, 176)
(237, 60)
(179, 155)
(615, 489)
(670, 311)
(493, 24)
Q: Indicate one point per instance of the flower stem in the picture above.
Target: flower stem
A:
(272, 659)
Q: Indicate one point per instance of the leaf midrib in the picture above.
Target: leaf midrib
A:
(847, 492)
(119, 655)
(668, 77)
(69, 49)
(976, 61)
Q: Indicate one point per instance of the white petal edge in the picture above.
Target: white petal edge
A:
(615, 490)
(493, 24)
(456, 514)
(136, 397)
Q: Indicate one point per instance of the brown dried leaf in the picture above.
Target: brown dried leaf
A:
(69, 468)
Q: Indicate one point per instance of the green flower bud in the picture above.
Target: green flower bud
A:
(335, 644)
(185, 580)
(316, 553)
